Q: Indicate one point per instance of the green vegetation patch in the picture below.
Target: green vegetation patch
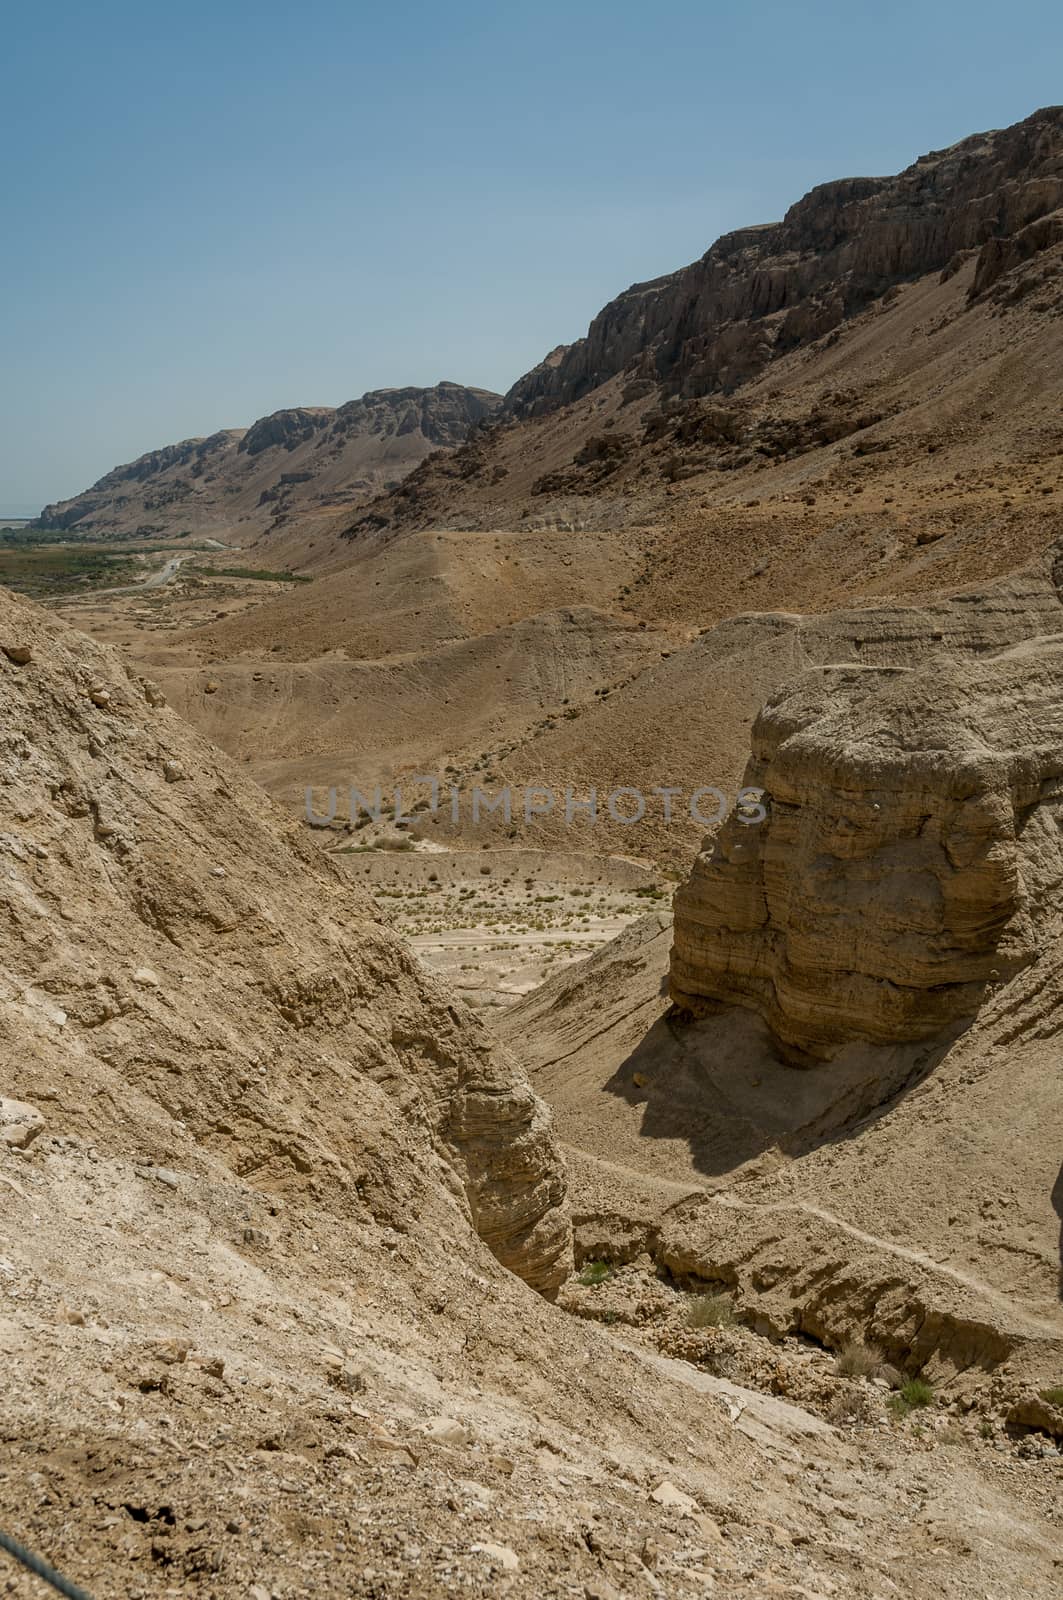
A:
(263, 574)
(911, 1396)
(45, 571)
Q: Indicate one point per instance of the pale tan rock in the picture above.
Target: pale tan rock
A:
(910, 854)
(666, 1494)
(446, 1430)
(501, 1554)
(20, 1123)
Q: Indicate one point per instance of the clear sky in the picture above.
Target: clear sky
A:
(213, 210)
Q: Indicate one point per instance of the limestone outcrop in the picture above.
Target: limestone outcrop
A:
(911, 860)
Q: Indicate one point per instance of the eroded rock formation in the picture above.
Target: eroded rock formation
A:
(170, 942)
(911, 859)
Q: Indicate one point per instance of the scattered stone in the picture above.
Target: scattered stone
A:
(174, 1352)
(506, 1558)
(213, 1366)
(666, 1494)
(173, 771)
(146, 978)
(152, 693)
(99, 695)
(445, 1430)
(19, 654)
(20, 1123)
(600, 1589)
(211, 686)
(164, 1175)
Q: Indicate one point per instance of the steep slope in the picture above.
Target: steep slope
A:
(762, 291)
(103, 781)
(239, 483)
(888, 335)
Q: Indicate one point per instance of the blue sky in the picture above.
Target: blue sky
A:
(213, 211)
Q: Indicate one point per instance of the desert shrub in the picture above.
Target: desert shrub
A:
(1054, 1394)
(856, 1360)
(711, 1311)
(594, 1273)
(911, 1396)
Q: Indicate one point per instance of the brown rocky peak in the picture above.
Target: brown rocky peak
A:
(759, 292)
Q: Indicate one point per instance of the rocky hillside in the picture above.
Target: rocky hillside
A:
(234, 969)
(242, 482)
(834, 1085)
(759, 292)
(882, 322)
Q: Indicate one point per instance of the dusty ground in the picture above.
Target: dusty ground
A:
(497, 927)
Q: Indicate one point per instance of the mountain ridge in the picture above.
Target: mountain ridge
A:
(294, 460)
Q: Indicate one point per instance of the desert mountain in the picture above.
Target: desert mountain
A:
(601, 586)
(817, 354)
(243, 481)
(726, 1261)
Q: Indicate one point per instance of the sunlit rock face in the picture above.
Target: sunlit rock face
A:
(910, 858)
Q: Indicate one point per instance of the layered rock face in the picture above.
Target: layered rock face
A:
(911, 858)
(762, 291)
(291, 460)
(171, 946)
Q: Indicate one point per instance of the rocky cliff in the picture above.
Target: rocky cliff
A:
(245, 481)
(171, 945)
(762, 291)
(910, 861)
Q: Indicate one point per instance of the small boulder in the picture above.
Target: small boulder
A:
(19, 1123)
(500, 1554)
(20, 654)
(666, 1494)
(445, 1430)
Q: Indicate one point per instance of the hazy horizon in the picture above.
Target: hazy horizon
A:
(229, 220)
